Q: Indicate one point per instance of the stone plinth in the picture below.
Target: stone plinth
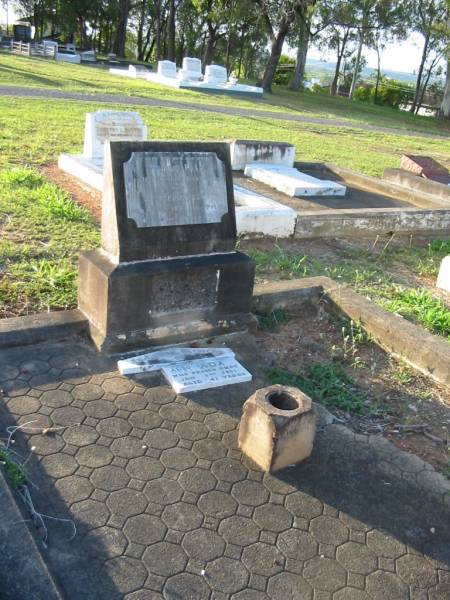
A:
(216, 74)
(277, 427)
(167, 270)
(443, 280)
(244, 152)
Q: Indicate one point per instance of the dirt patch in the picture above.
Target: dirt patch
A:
(410, 410)
(81, 194)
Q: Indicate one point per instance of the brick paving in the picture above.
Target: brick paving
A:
(167, 507)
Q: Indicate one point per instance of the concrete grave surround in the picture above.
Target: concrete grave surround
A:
(163, 278)
(154, 361)
(206, 373)
(169, 188)
(244, 152)
(100, 126)
(443, 280)
(292, 182)
(258, 214)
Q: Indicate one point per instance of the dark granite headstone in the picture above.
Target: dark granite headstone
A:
(167, 270)
(426, 167)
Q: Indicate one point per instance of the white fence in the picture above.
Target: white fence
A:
(28, 49)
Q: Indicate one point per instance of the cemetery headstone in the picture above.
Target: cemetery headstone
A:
(111, 125)
(167, 68)
(216, 74)
(425, 166)
(167, 270)
(443, 280)
(191, 69)
(244, 152)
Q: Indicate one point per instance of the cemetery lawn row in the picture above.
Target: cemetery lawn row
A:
(41, 73)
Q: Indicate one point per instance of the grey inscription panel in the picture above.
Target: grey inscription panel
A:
(175, 188)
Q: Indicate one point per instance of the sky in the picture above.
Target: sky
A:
(404, 56)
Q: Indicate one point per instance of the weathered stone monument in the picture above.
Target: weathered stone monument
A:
(167, 270)
(99, 127)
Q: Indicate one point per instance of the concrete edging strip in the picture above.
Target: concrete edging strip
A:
(424, 351)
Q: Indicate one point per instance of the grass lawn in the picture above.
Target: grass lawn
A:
(42, 73)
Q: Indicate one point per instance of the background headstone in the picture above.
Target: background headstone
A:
(425, 166)
(244, 152)
(111, 125)
(167, 68)
(443, 280)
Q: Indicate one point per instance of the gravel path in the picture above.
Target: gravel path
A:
(28, 92)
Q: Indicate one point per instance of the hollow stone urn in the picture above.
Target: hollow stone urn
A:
(277, 427)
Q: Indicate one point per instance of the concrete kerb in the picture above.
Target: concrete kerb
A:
(23, 572)
(424, 351)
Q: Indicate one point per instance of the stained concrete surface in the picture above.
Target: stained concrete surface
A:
(166, 506)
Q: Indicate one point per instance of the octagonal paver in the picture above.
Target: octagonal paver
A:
(178, 459)
(117, 385)
(416, 571)
(86, 392)
(56, 398)
(263, 559)
(217, 504)
(273, 517)
(249, 492)
(186, 585)
(328, 530)
(203, 545)
(229, 469)
(128, 447)
(22, 405)
(385, 545)
(357, 558)
(130, 402)
(165, 558)
(106, 538)
(163, 491)
(175, 412)
(125, 574)
(240, 531)
(67, 416)
(297, 544)
(91, 512)
(351, 594)
(144, 468)
(220, 421)
(74, 488)
(161, 439)
(145, 529)
(209, 449)
(227, 575)
(126, 502)
(191, 430)
(324, 574)
(100, 409)
(94, 456)
(110, 478)
(303, 505)
(381, 585)
(289, 585)
(59, 465)
(182, 516)
(114, 427)
(145, 419)
(197, 480)
(47, 444)
(82, 435)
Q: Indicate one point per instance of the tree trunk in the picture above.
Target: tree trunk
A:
(444, 109)
(356, 71)
(121, 31)
(140, 32)
(375, 96)
(419, 74)
(210, 44)
(302, 51)
(337, 71)
(171, 31)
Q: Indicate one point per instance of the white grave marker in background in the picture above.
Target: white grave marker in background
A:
(111, 125)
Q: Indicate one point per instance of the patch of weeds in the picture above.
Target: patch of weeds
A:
(327, 384)
(402, 374)
(21, 177)
(353, 335)
(12, 469)
(271, 321)
(57, 203)
(421, 305)
(277, 259)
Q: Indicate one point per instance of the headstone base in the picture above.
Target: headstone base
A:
(159, 302)
(87, 170)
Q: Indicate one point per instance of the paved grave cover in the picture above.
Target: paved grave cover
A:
(167, 508)
(154, 361)
(203, 374)
(292, 182)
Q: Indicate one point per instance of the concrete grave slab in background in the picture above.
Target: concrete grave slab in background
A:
(244, 152)
(292, 182)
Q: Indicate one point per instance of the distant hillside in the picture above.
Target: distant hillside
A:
(322, 65)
